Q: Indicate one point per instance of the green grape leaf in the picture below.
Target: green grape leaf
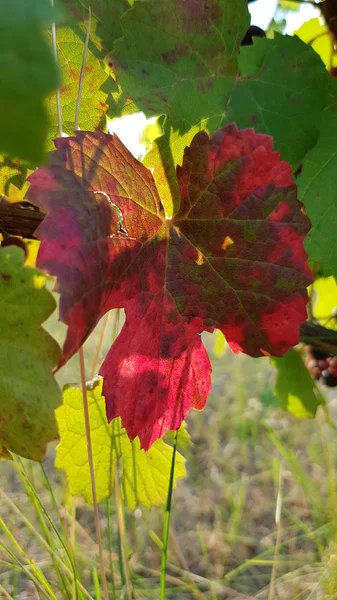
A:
(144, 475)
(105, 26)
(317, 190)
(104, 30)
(28, 75)
(28, 391)
(180, 58)
(294, 387)
(94, 95)
(282, 91)
(151, 132)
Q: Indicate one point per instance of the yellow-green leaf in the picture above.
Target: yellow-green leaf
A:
(164, 156)
(294, 387)
(28, 391)
(144, 475)
(12, 172)
(93, 106)
(220, 343)
(184, 438)
(317, 35)
(325, 301)
(290, 5)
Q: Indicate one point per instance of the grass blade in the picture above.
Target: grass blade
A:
(166, 528)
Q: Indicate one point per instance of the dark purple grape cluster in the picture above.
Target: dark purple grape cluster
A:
(321, 366)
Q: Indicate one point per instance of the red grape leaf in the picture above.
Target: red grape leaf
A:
(231, 258)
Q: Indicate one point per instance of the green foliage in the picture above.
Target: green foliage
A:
(180, 58)
(28, 75)
(317, 189)
(105, 27)
(28, 391)
(11, 171)
(93, 108)
(144, 475)
(294, 387)
(282, 92)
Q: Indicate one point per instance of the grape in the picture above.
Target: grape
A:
(333, 362)
(321, 366)
(328, 379)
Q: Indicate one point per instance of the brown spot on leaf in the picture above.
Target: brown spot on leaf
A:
(6, 277)
(172, 56)
(254, 119)
(205, 84)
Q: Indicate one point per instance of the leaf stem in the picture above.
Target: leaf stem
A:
(80, 83)
(58, 93)
(92, 472)
(166, 528)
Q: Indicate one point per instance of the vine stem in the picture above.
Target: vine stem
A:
(58, 93)
(166, 528)
(92, 472)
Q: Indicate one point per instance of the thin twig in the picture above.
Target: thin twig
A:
(92, 472)
(80, 83)
(58, 93)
